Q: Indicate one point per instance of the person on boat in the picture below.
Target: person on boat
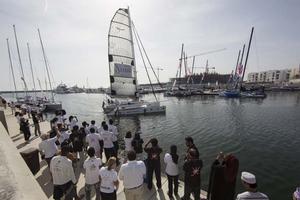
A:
(250, 184)
(189, 142)
(109, 182)
(192, 175)
(153, 162)
(137, 144)
(222, 179)
(36, 123)
(64, 180)
(112, 128)
(171, 161)
(25, 129)
(96, 141)
(108, 144)
(92, 166)
(132, 174)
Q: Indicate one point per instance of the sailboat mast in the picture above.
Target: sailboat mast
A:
(11, 67)
(249, 45)
(44, 55)
(34, 88)
(180, 65)
(131, 37)
(20, 61)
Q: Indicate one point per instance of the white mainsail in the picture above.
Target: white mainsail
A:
(121, 57)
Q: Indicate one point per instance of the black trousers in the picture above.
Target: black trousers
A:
(108, 196)
(172, 180)
(188, 190)
(153, 166)
(109, 152)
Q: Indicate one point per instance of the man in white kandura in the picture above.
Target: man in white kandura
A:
(249, 183)
(132, 174)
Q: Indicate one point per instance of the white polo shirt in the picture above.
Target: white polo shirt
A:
(92, 166)
(171, 167)
(108, 177)
(132, 174)
(107, 139)
(114, 130)
(252, 195)
(48, 147)
(62, 170)
(65, 135)
(93, 140)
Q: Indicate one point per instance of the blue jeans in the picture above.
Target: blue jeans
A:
(88, 189)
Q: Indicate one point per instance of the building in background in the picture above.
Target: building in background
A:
(274, 76)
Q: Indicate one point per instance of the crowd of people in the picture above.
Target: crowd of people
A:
(69, 145)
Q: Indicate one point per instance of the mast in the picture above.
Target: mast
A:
(34, 88)
(11, 67)
(241, 62)
(131, 37)
(20, 61)
(249, 45)
(180, 65)
(44, 55)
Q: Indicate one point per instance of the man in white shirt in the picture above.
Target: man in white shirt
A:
(108, 145)
(64, 180)
(48, 148)
(92, 166)
(249, 182)
(93, 125)
(132, 174)
(95, 140)
(112, 128)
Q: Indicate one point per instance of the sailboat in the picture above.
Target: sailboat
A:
(122, 70)
(236, 89)
(51, 105)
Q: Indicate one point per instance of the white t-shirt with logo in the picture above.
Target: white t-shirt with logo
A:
(93, 140)
(108, 177)
(107, 139)
(48, 147)
(92, 166)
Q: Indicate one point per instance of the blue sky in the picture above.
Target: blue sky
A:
(75, 36)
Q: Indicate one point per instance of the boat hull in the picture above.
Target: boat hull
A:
(52, 106)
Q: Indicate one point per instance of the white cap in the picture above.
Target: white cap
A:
(248, 178)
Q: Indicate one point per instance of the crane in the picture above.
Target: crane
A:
(204, 53)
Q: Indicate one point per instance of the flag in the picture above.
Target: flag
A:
(240, 69)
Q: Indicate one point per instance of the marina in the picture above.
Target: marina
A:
(157, 100)
(244, 127)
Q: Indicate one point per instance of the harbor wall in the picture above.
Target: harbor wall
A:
(16, 180)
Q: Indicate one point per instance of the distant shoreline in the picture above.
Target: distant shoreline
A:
(22, 91)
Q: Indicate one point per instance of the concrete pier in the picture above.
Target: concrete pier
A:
(14, 143)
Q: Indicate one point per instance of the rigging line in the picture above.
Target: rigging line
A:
(138, 37)
(134, 31)
(256, 52)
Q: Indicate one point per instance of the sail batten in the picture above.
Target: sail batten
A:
(121, 55)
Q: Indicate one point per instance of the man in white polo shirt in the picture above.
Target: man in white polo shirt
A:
(64, 181)
(92, 166)
(108, 145)
(132, 174)
(48, 147)
(96, 141)
(249, 182)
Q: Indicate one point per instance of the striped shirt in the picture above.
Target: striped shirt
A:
(252, 196)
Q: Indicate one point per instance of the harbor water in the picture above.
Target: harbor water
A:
(263, 134)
